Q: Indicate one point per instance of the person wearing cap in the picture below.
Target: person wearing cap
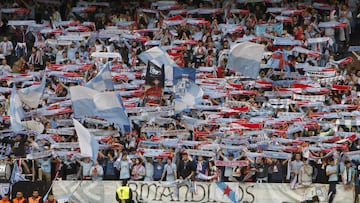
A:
(186, 168)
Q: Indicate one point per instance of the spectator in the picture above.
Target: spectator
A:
(305, 173)
(110, 172)
(149, 169)
(213, 171)
(348, 176)
(6, 47)
(261, 170)
(45, 169)
(169, 172)
(276, 171)
(122, 164)
(201, 165)
(19, 198)
(186, 169)
(4, 67)
(158, 168)
(295, 166)
(138, 171)
(332, 173)
(5, 199)
(51, 199)
(96, 172)
(35, 197)
(86, 165)
(124, 193)
(69, 169)
(320, 169)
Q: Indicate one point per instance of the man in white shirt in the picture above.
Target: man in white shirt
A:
(6, 47)
(4, 67)
(71, 52)
(59, 55)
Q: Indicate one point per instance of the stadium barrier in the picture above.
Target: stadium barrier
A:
(146, 192)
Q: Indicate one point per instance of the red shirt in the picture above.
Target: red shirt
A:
(219, 72)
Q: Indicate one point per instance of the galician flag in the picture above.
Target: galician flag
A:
(228, 192)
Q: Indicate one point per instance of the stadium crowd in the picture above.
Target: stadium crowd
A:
(295, 122)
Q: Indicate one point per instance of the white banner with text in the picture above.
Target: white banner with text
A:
(180, 191)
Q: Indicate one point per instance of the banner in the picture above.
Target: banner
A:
(231, 163)
(179, 73)
(170, 133)
(65, 145)
(159, 57)
(60, 131)
(103, 191)
(200, 153)
(260, 29)
(39, 155)
(154, 84)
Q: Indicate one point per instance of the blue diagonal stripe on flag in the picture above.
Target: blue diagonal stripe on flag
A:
(102, 81)
(230, 193)
(16, 111)
(82, 101)
(106, 105)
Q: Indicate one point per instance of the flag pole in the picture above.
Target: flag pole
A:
(51, 186)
